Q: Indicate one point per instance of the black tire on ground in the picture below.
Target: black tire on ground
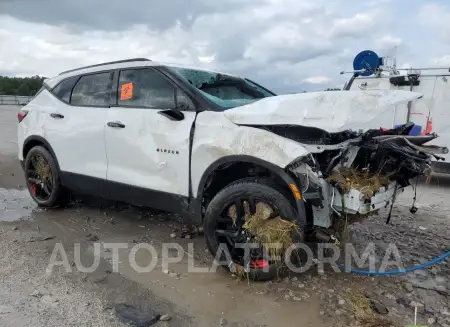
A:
(59, 195)
(257, 189)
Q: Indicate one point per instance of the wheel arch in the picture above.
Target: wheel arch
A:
(245, 161)
(36, 140)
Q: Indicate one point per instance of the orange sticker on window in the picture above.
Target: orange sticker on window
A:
(126, 92)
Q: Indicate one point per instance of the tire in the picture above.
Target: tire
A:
(58, 195)
(252, 188)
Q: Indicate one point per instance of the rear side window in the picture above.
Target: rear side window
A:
(145, 88)
(64, 89)
(92, 90)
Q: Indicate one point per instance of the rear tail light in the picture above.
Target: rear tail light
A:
(21, 115)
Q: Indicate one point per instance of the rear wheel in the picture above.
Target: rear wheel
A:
(42, 178)
(226, 235)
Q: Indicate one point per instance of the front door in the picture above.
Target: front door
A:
(148, 141)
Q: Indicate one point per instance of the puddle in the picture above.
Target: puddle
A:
(15, 204)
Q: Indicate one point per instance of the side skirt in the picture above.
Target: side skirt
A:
(134, 195)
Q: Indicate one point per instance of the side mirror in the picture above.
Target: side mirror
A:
(172, 114)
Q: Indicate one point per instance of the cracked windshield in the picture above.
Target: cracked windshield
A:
(225, 90)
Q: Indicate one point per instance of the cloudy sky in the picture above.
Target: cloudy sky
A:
(286, 45)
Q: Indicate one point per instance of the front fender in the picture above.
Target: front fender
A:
(279, 172)
(216, 137)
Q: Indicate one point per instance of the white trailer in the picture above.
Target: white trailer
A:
(430, 114)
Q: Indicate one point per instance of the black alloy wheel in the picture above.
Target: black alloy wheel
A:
(225, 227)
(42, 178)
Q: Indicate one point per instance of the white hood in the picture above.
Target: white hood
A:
(332, 111)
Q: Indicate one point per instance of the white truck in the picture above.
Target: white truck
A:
(429, 114)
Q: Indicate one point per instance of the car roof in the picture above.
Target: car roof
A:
(127, 63)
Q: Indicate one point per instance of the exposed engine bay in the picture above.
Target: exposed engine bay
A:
(353, 174)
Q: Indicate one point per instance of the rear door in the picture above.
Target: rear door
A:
(148, 140)
(439, 121)
(420, 109)
(74, 123)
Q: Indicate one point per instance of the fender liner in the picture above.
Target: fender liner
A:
(40, 139)
(281, 173)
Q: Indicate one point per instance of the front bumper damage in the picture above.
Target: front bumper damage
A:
(355, 201)
(354, 175)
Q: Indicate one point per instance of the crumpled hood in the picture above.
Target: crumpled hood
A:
(332, 111)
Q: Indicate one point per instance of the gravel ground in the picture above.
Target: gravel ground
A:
(29, 296)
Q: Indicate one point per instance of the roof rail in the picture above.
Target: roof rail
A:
(106, 63)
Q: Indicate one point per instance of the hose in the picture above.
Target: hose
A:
(438, 259)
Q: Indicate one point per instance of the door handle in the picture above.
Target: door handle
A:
(116, 124)
(56, 115)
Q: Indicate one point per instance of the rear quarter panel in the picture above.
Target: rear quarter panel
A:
(33, 124)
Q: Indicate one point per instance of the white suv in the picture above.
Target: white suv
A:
(198, 143)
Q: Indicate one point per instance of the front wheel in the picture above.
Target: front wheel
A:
(42, 178)
(228, 230)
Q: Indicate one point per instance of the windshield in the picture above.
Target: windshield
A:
(227, 91)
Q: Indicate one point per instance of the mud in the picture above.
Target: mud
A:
(30, 296)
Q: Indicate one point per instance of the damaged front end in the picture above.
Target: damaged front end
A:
(352, 168)
(349, 175)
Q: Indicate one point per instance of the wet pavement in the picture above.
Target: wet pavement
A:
(29, 296)
(15, 205)
(435, 192)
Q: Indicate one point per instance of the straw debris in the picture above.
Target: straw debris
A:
(240, 272)
(364, 314)
(275, 234)
(351, 178)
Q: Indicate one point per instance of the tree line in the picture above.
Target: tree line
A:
(20, 85)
